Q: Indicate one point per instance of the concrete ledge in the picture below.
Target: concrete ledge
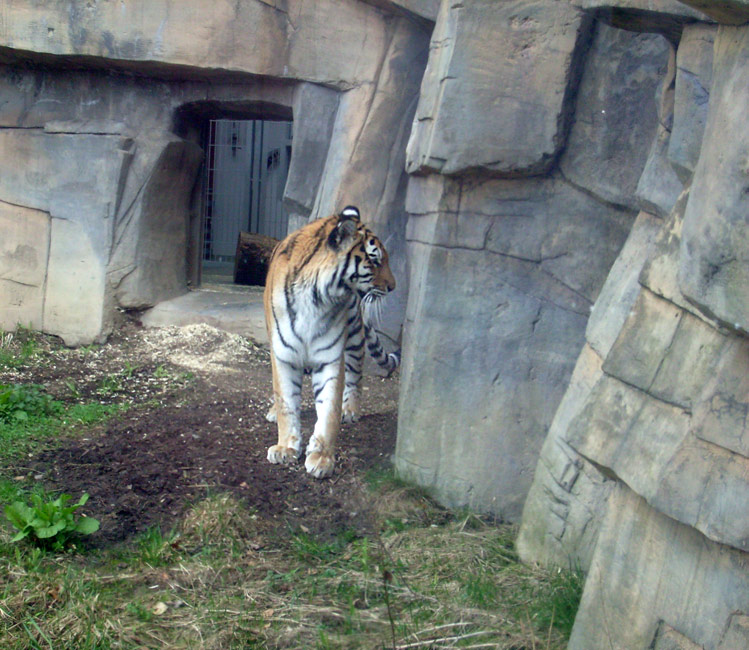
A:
(238, 313)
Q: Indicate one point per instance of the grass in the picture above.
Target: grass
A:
(223, 577)
(19, 438)
(17, 348)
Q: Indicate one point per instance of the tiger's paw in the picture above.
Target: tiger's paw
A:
(280, 454)
(350, 412)
(350, 407)
(319, 464)
(271, 414)
(349, 415)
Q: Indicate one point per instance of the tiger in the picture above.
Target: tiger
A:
(323, 282)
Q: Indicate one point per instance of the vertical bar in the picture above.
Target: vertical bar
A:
(253, 225)
(259, 189)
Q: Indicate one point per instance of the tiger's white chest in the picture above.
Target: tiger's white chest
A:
(310, 329)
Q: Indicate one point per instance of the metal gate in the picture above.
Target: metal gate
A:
(247, 162)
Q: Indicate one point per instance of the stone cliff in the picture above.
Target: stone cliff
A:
(643, 480)
(102, 120)
(564, 188)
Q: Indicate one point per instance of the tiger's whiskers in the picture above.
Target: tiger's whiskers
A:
(372, 309)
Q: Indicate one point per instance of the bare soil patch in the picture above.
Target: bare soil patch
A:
(195, 425)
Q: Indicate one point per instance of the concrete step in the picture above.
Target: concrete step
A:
(239, 311)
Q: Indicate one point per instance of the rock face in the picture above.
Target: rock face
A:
(503, 276)
(714, 257)
(219, 39)
(694, 73)
(658, 592)
(23, 263)
(616, 116)
(111, 162)
(96, 156)
(729, 12)
(643, 477)
(72, 179)
(562, 186)
(530, 47)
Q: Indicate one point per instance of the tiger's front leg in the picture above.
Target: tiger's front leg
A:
(327, 383)
(353, 359)
(287, 397)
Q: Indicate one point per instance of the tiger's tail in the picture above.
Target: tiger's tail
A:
(388, 361)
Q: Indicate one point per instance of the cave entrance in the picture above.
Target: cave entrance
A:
(246, 165)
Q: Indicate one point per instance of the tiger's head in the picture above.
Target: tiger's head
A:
(362, 254)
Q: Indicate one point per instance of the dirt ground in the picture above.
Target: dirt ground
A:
(195, 426)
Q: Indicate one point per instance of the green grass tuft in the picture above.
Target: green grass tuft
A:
(18, 348)
(156, 548)
(557, 602)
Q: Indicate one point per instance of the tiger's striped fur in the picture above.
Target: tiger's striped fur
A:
(321, 281)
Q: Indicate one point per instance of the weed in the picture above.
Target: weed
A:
(8, 358)
(86, 350)
(90, 413)
(481, 591)
(156, 549)
(139, 611)
(129, 370)
(75, 392)
(21, 402)
(109, 385)
(161, 372)
(311, 550)
(18, 348)
(52, 523)
(323, 642)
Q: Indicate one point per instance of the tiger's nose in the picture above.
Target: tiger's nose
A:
(385, 280)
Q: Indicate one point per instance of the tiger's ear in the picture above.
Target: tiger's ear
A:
(350, 212)
(345, 228)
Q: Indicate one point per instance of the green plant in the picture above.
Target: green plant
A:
(557, 604)
(7, 357)
(110, 385)
(85, 350)
(74, 390)
(50, 523)
(140, 612)
(129, 370)
(16, 348)
(19, 402)
(309, 549)
(161, 372)
(91, 413)
(157, 549)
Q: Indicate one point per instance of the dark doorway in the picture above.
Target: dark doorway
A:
(246, 165)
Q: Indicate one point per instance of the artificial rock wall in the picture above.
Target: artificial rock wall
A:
(643, 480)
(100, 133)
(516, 215)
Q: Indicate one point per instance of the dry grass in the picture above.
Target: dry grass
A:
(225, 579)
